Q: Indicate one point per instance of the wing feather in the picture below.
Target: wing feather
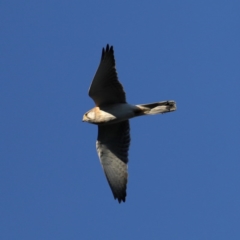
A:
(105, 87)
(112, 147)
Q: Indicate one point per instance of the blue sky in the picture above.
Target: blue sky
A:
(184, 169)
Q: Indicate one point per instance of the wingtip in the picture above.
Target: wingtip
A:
(103, 52)
(108, 49)
(121, 199)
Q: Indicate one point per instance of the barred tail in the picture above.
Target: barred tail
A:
(157, 107)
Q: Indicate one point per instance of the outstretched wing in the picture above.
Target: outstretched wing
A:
(112, 147)
(105, 87)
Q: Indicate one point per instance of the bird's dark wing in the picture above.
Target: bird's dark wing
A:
(105, 87)
(112, 147)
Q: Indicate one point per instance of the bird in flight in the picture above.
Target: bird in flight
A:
(112, 114)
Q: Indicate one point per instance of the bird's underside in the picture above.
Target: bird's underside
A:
(112, 114)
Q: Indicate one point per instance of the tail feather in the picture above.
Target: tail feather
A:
(157, 107)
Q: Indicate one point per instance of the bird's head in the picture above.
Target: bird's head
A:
(89, 117)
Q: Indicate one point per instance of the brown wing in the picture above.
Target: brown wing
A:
(112, 147)
(105, 87)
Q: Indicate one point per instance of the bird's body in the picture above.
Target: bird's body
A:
(111, 114)
(114, 113)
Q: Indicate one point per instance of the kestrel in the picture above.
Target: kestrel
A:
(111, 114)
